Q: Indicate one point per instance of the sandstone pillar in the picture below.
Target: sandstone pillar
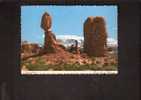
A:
(50, 40)
(95, 36)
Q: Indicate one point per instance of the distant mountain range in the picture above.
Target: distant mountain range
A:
(67, 40)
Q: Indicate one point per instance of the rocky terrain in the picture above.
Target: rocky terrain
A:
(90, 53)
(65, 58)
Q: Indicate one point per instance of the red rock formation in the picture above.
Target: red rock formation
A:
(74, 48)
(88, 36)
(100, 36)
(95, 36)
(50, 40)
(30, 48)
(50, 43)
(46, 22)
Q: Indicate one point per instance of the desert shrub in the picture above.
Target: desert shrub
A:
(40, 65)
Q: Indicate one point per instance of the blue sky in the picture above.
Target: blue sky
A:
(66, 20)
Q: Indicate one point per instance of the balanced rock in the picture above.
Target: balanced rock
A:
(95, 36)
(46, 22)
(50, 43)
(50, 39)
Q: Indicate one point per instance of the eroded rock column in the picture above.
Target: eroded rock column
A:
(50, 39)
(95, 36)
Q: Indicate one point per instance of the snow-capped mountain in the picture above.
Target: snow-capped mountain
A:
(68, 40)
(112, 42)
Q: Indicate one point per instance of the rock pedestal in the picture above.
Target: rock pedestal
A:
(50, 39)
(50, 43)
(95, 36)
